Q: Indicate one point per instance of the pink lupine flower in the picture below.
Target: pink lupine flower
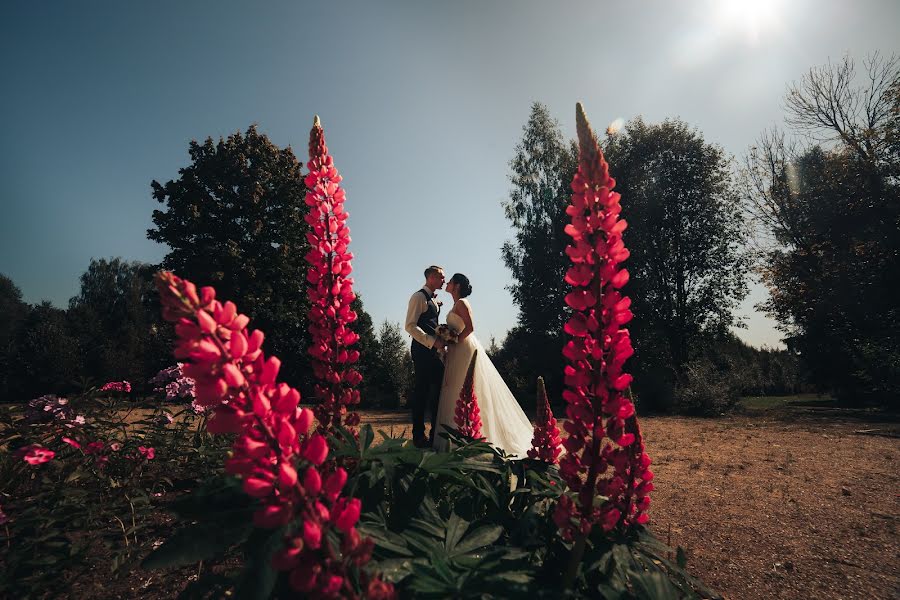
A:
(468, 416)
(275, 440)
(36, 455)
(330, 289)
(602, 427)
(545, 445)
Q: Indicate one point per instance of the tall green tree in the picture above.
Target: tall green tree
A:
(234, 219)
(117, 322)
(685, 232)
(368, 347)
(13, 312)
(48, 360)
(541, 173)
(394, 374)
(827, 218)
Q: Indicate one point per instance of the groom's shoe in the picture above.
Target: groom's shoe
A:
(422, 442)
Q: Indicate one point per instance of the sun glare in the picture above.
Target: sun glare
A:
(752, 18)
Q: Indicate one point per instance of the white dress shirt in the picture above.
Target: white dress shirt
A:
(418, 305)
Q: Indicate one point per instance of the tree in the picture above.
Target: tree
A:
(541, 172)
(117, 322)
(827, 218)
(368, 351)
(48, 359)
(234, 219)
(828, 106)
(13, 312)
(686, 234)
(394, 374)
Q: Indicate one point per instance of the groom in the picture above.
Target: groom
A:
(421, 323)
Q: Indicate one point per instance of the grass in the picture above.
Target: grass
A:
(770, 402)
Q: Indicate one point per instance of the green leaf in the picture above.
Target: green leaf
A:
(456, 527)
(652, 586)
(681, 557)
(483, 536)
(258, 578)
(195, 543)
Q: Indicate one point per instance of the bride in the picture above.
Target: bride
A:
(503, 423)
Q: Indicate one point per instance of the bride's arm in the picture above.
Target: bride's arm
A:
(463, 312)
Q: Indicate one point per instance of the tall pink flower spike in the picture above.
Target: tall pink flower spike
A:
(602, 426)
(468, 415)
(545, 445)
(276, 453)
(330, 290)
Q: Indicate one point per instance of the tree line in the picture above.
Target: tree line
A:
(812, 211)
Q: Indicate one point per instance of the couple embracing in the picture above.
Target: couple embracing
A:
(438, 382)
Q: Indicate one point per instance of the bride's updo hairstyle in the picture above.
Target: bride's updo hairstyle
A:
(465, 288)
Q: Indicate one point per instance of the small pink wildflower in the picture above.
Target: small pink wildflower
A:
(35, 455)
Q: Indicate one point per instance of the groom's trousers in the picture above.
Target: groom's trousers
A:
(427, 389)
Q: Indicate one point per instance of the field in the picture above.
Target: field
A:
(790, 499)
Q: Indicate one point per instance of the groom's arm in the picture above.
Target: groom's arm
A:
(417, 306)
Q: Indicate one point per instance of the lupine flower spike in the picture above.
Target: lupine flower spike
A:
(602, 427)
(468, 416)
(545, 445)
(276, 452)
(330, 290)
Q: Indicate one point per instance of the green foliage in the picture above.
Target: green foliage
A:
(368, 351)
(541, 172)
(12, 316)
(827, 218)
(84, 511)
(471, 523)
(117, 320)
(392, 376)
(47, 354)
(685, 231)
(234, 219)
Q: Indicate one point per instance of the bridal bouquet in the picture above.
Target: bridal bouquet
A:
(446, 334)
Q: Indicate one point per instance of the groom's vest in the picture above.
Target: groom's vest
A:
(428, 320)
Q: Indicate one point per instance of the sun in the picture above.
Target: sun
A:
(751, 18)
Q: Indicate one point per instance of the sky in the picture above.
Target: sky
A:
(422, 103)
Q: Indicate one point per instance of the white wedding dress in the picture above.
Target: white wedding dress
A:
(503, 422)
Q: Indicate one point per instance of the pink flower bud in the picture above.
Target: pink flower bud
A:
(315, 450)
(258, 488)
(206, 322)
(312, 534)
(233, 375)
(304, 420)
(238, 346)
(348, 515)
(335, 483)
(287, 475)
(312, 481)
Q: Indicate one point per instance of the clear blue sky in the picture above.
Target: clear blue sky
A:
(422, 104)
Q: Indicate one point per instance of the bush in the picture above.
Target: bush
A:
(707, 388)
